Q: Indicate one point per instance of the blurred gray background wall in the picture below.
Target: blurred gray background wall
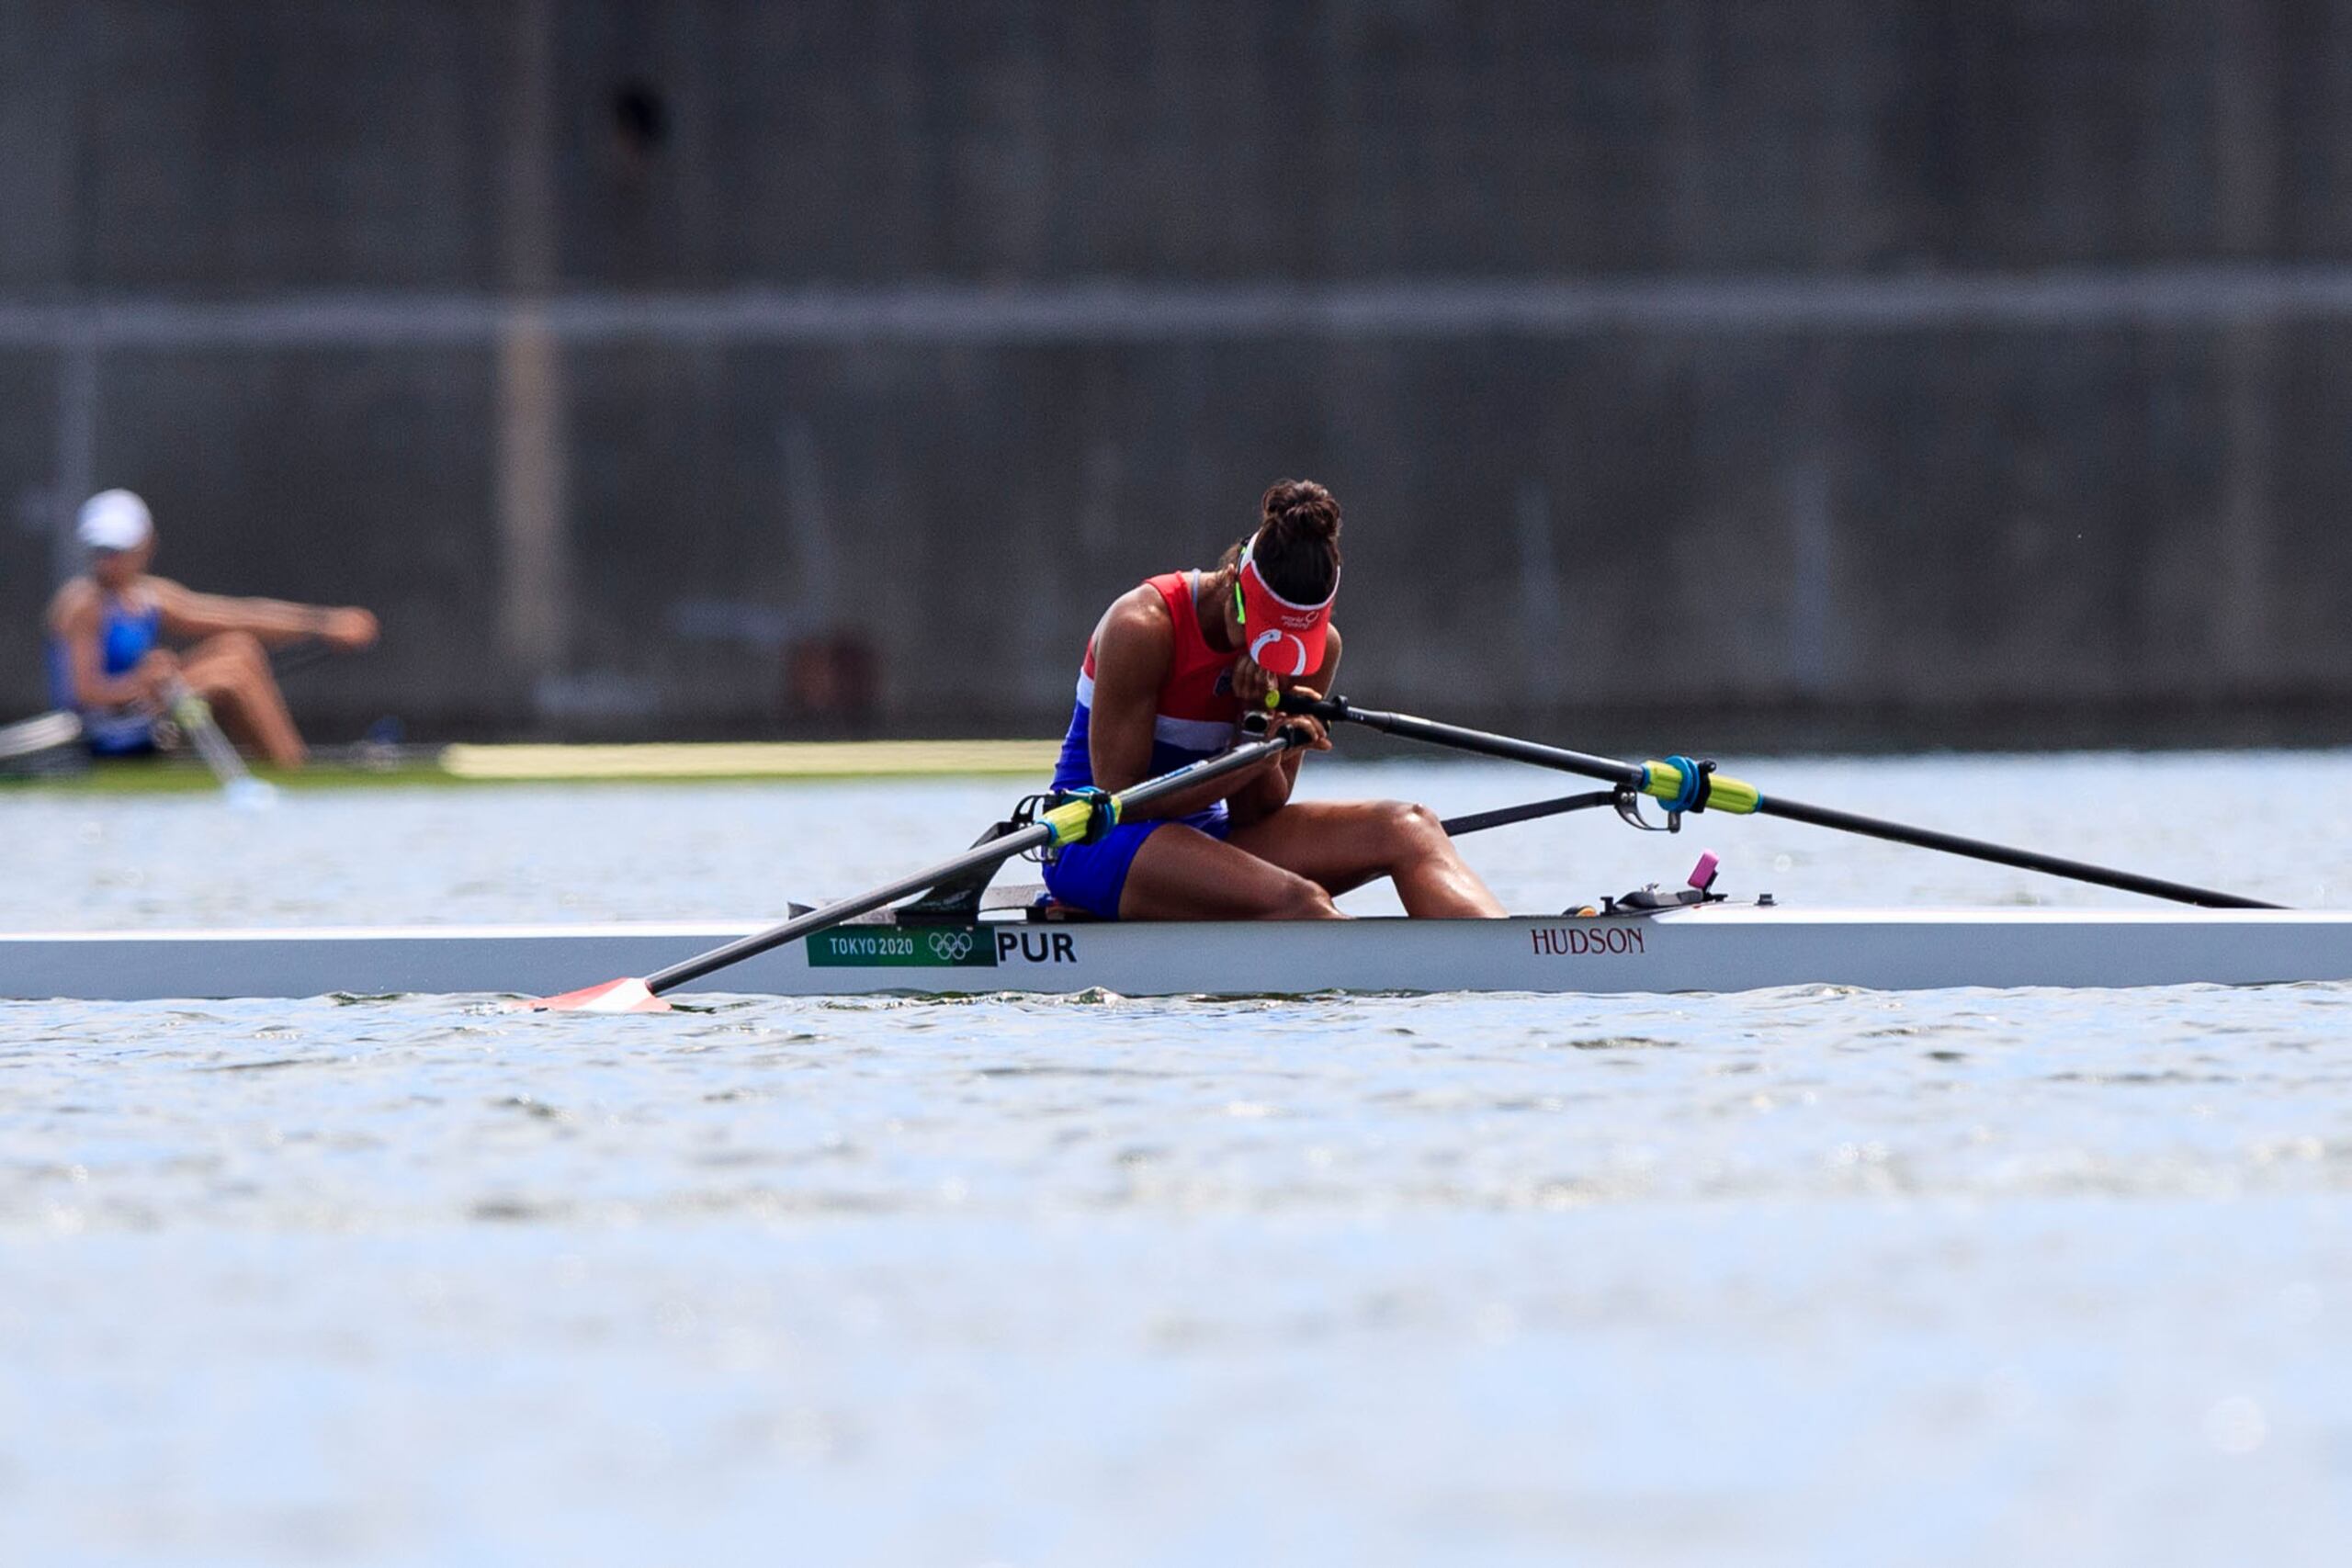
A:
(697, 367)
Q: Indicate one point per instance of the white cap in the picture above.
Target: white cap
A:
(114, 520)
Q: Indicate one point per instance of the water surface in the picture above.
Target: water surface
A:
(1789, 1277)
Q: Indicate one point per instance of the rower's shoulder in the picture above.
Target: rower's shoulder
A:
(1137, 636)
(1142, 606)
(75, 601)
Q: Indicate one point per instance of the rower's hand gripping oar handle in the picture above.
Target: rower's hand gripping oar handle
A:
(1079, 816)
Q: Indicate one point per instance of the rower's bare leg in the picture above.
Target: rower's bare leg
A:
(1182, 874)
(232, 673)
(1342, 844)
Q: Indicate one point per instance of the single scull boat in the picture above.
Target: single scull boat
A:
(1718, 946)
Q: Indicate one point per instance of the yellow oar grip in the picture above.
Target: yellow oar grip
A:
(1069, 822)
(1663, 781)
(1735, 795)
(1089, 814)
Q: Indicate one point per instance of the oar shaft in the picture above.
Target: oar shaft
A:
(1479, 821)
(1662, 781)
(194, 715)
(694, 968)
(1036, 836)
(1508, 747)
(211, 745)
(2002, 854)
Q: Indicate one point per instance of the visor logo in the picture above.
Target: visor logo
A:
(1268, 650)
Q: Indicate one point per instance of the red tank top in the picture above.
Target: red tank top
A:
(1196, 712)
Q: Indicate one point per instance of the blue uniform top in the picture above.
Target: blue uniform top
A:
(125, 637)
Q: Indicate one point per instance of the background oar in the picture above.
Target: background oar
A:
(1062, 825)
(30, 737)
(194, 715)
(1681, 786)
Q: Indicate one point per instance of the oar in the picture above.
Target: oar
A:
(1066, 823)
(1505, 817)
(194, 715)
(1686, 786)
(46, 732)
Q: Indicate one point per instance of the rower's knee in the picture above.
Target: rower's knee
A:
(1301, 899)
(1411, 825)
(242, 651)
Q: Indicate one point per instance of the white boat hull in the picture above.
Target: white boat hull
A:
(1723, 947)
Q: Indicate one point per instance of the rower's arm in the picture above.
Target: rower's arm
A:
(189, 614)
(1269, 790)
(1133, 649)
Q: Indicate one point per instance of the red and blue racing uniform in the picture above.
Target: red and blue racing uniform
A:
(1194, 716)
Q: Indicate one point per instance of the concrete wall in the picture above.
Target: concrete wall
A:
(1808, 355)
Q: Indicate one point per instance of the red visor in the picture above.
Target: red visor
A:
(1283, 637)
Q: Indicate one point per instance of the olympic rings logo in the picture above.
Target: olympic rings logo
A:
(951, 947)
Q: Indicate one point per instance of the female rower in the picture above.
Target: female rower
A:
(1168, 673)
(105, 629)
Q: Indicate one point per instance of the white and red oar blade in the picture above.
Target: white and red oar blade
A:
(612, 996)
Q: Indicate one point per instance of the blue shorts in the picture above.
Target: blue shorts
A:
(1092, 876)
(118, 734)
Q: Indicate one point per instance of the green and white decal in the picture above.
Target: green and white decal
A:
(898, 947)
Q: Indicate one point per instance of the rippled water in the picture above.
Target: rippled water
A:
(1787, 1277)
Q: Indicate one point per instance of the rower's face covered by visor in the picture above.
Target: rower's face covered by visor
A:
(1283, 637)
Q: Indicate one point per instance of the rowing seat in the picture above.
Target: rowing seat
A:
(1050, 910)
(1034, 903)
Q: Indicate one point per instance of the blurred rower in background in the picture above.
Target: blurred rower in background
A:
(105, 630)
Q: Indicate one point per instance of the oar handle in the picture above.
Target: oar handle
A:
(1331, 710)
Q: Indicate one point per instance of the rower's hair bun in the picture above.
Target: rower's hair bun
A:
(1302, 511)
(1298, 540)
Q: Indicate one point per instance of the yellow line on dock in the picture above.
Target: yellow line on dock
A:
(776, 760)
